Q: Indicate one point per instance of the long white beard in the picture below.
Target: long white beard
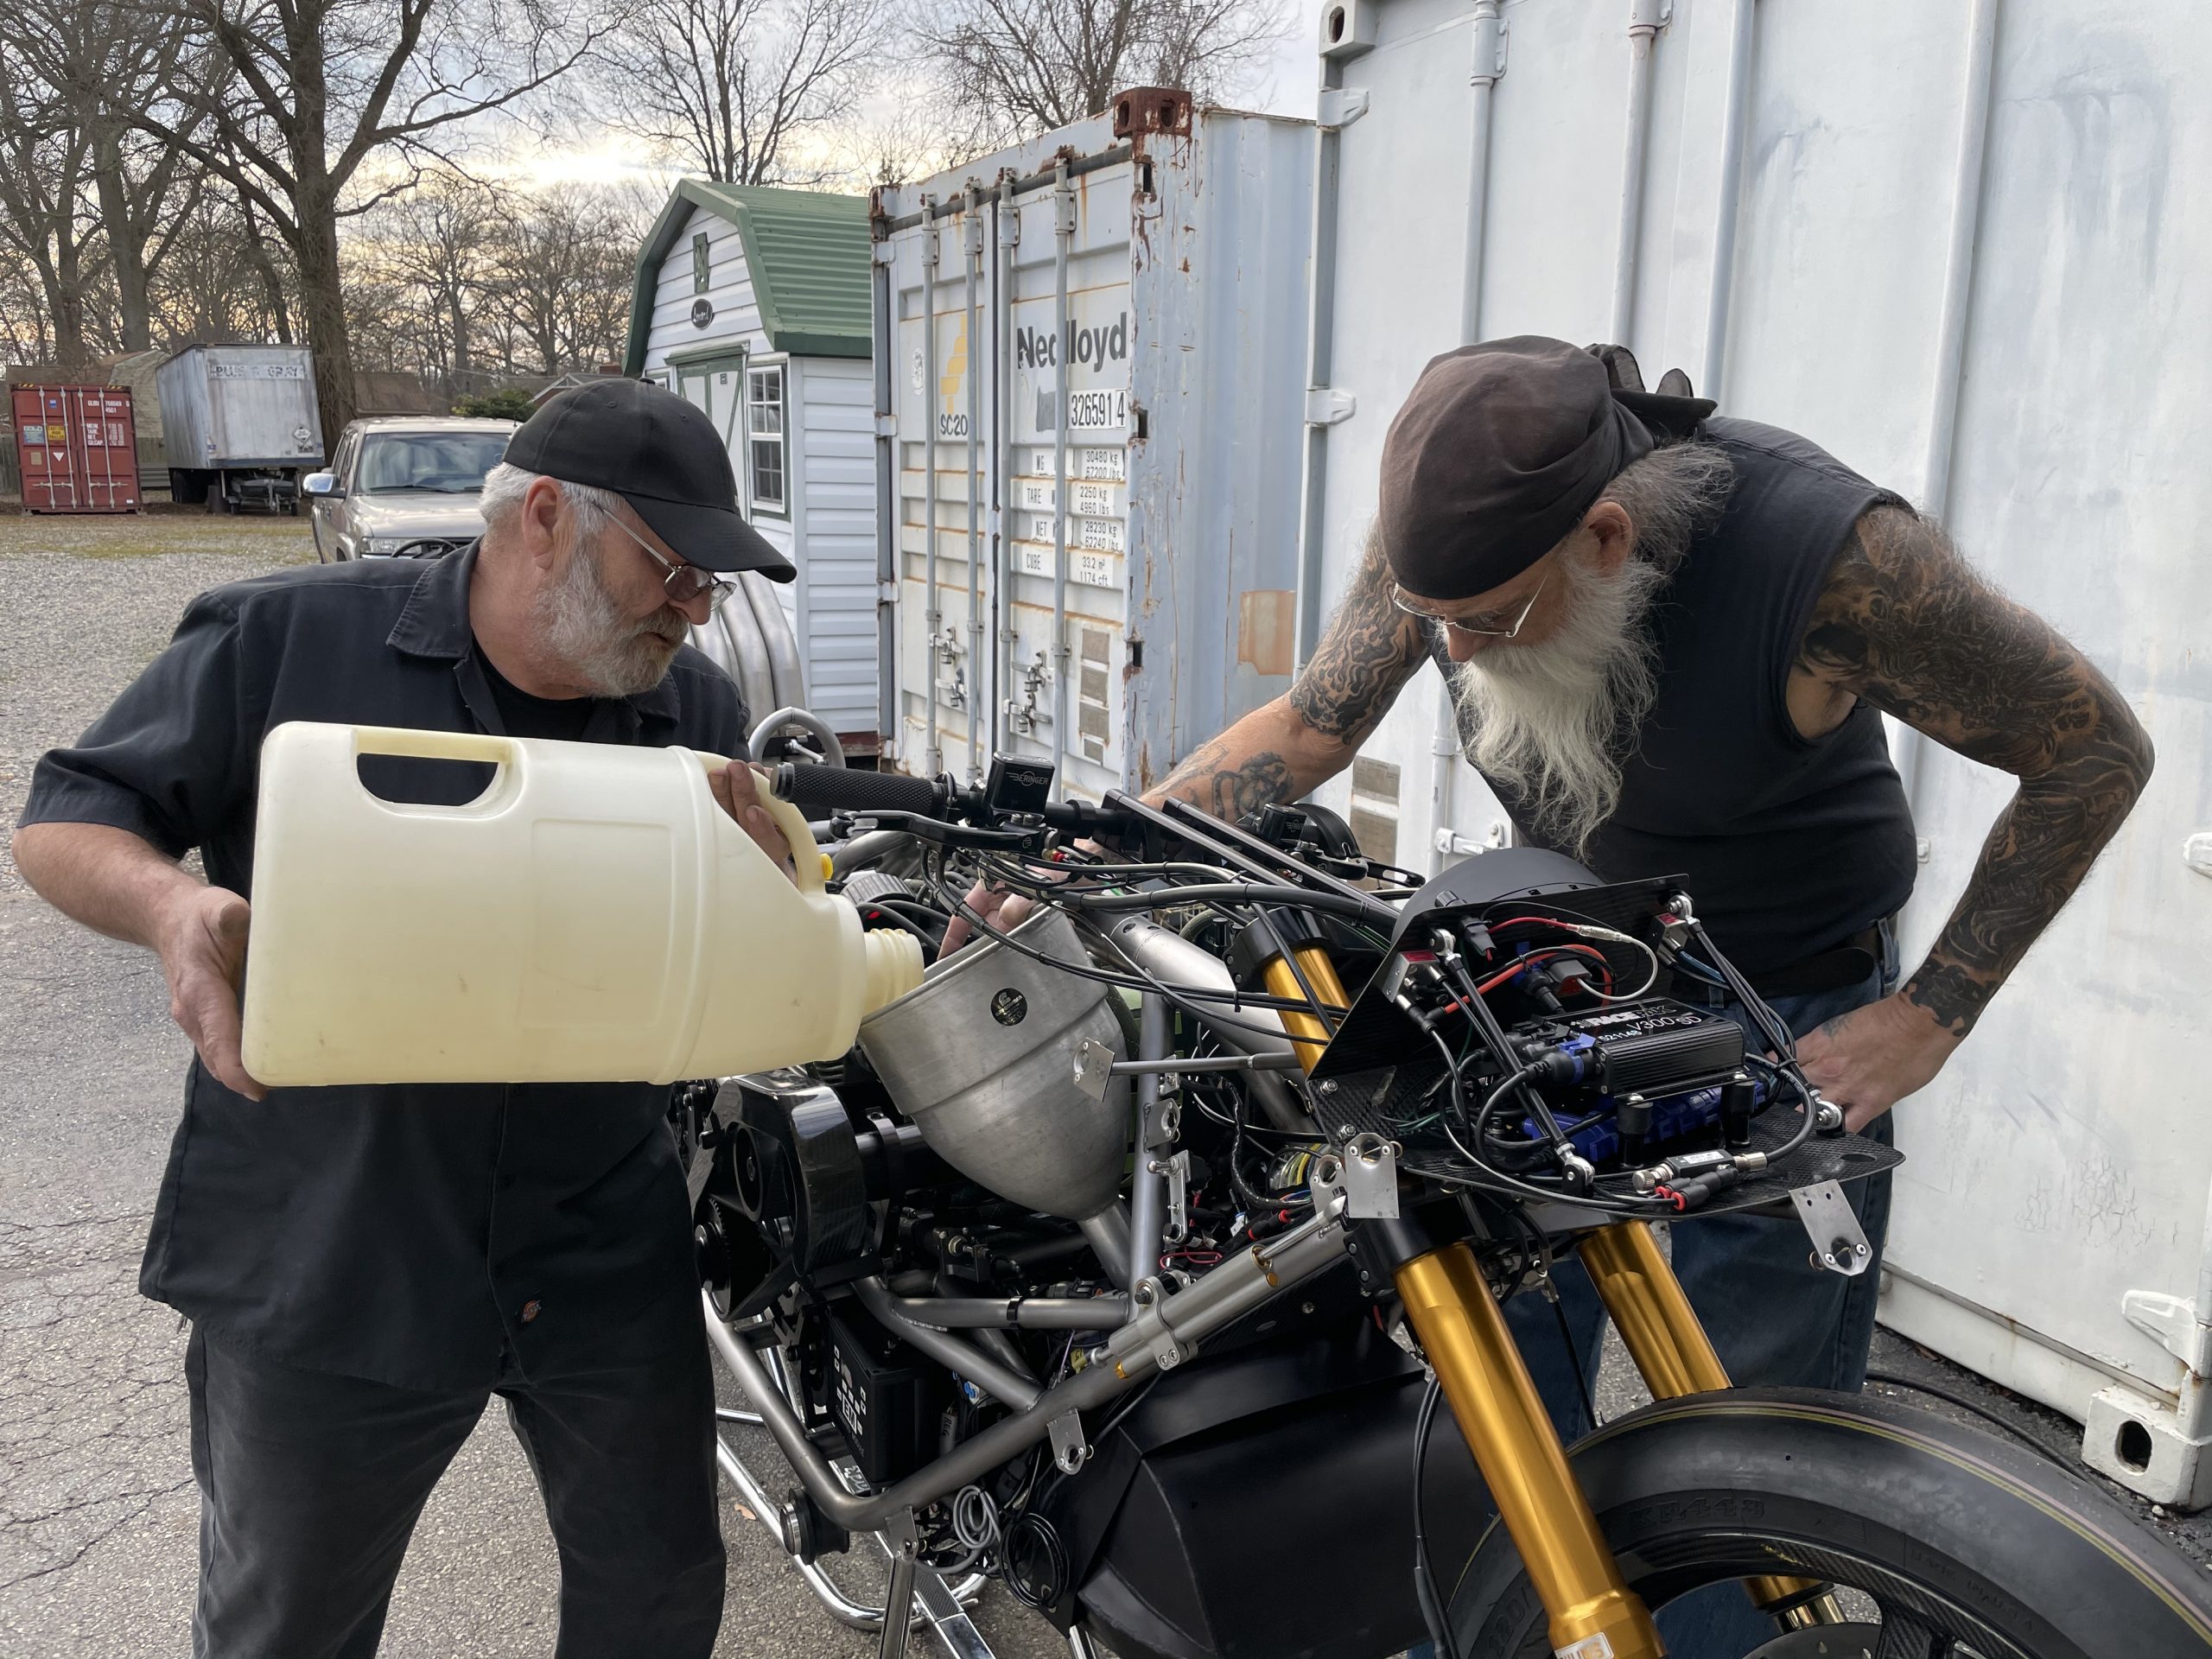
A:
(586, 630)
(1554, 721)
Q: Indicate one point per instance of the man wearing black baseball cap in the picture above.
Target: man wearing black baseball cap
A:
(364, 1267)
(1670, 641)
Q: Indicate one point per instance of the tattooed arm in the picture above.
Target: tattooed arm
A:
(1305, 737)
(1906, 625)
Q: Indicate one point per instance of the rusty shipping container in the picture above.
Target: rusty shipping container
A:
(1089, 359)
(77, 448)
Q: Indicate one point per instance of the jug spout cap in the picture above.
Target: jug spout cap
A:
(894, 965)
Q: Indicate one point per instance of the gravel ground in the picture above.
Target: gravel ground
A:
(97, 1515)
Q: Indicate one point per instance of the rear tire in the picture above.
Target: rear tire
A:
(1960, 1537)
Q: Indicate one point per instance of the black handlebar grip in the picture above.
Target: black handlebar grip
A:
(822, 791)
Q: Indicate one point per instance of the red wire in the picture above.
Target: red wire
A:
(1534, 956)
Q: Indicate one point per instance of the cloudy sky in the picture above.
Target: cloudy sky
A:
(1282, 84)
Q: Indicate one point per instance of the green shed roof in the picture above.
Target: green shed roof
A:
(806, 252)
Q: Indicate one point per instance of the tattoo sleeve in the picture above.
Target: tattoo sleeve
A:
(1906, 625)
(1367, 653)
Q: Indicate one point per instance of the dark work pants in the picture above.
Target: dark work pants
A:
(310, 1484)
(1775, 1318)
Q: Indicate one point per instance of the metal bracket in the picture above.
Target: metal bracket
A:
(1175, 1226)
(1326, 405)
(2172, 1323)
(886, 426)
(1839, 1242)
(1094, 1068)
(1070, 1450)
(1153, 1333)
(1370, 1178)
(1339, 107)
(880, 253)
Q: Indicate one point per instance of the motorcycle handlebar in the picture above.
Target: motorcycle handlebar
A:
(822, 791)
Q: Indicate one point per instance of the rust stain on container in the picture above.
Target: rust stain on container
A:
(1267, 635)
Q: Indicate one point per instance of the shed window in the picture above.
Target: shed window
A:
(699, 272)
(764, 437)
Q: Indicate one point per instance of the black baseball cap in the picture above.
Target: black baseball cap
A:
(659, 454)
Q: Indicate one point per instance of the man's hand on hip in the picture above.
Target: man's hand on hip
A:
(1867, 1060)
(202, 948)
(737, 788)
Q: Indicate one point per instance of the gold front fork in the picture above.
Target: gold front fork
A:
(1463, 1330)
(1663, 1337)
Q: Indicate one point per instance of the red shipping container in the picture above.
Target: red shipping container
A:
(77, 449)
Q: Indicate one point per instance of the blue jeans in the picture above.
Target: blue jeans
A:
(1776, 1319)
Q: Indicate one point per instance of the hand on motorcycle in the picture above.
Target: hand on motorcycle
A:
(1003, 909)
(1867, 1060)
(736, 790)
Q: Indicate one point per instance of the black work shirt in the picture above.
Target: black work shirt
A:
(407, 1234)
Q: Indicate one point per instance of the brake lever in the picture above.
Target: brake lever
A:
(937, 831)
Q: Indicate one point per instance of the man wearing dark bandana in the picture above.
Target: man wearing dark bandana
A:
(1669, 639)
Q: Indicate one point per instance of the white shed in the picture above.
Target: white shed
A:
(753, 302)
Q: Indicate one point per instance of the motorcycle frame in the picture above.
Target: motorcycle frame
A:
(1460, 1326)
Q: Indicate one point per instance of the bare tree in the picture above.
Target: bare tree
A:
(219, 277)
(730, 86)
(564, 261)
(104, 61)
(1021, 68)
(438, 241)
(46, 160)
(313, 110)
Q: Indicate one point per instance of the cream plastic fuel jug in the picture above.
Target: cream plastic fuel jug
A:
(592, 917)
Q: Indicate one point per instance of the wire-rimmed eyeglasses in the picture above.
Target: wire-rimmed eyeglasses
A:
(684, 582)
(1490, 624)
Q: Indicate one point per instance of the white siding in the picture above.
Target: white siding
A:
(833, 504)
(737, 317)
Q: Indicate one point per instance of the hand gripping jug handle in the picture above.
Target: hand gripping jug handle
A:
(505, 751)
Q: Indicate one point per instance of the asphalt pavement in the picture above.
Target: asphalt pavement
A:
(98, 1517)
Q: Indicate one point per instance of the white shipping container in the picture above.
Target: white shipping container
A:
(240, 406)
(1955, 244)
(1093, 386)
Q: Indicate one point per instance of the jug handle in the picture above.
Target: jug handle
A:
(807, 855)
(435, 746)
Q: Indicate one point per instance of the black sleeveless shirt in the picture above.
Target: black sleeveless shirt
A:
(1790, 845)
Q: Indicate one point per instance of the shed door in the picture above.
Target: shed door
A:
(717, 386)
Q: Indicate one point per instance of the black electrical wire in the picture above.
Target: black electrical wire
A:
(931, 940)
(1573, 1359)
(1891, 1379)
(1432, 1610)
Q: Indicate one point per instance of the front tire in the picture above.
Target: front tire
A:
(1966, 1543)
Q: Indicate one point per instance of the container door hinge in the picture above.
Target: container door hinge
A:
(1326, 405)
(1340, 106)
(886, 426)
(880, 253)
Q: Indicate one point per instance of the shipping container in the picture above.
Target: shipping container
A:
(1089, 369)
(77, 448)
(241, 424)
(1961, 252)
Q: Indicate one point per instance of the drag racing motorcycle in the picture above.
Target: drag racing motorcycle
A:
(1133, 1261)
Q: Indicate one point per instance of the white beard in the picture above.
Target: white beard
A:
(1553, 721)
(587, 631)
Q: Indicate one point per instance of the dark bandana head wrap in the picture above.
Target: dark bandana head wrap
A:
(1501, 450)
